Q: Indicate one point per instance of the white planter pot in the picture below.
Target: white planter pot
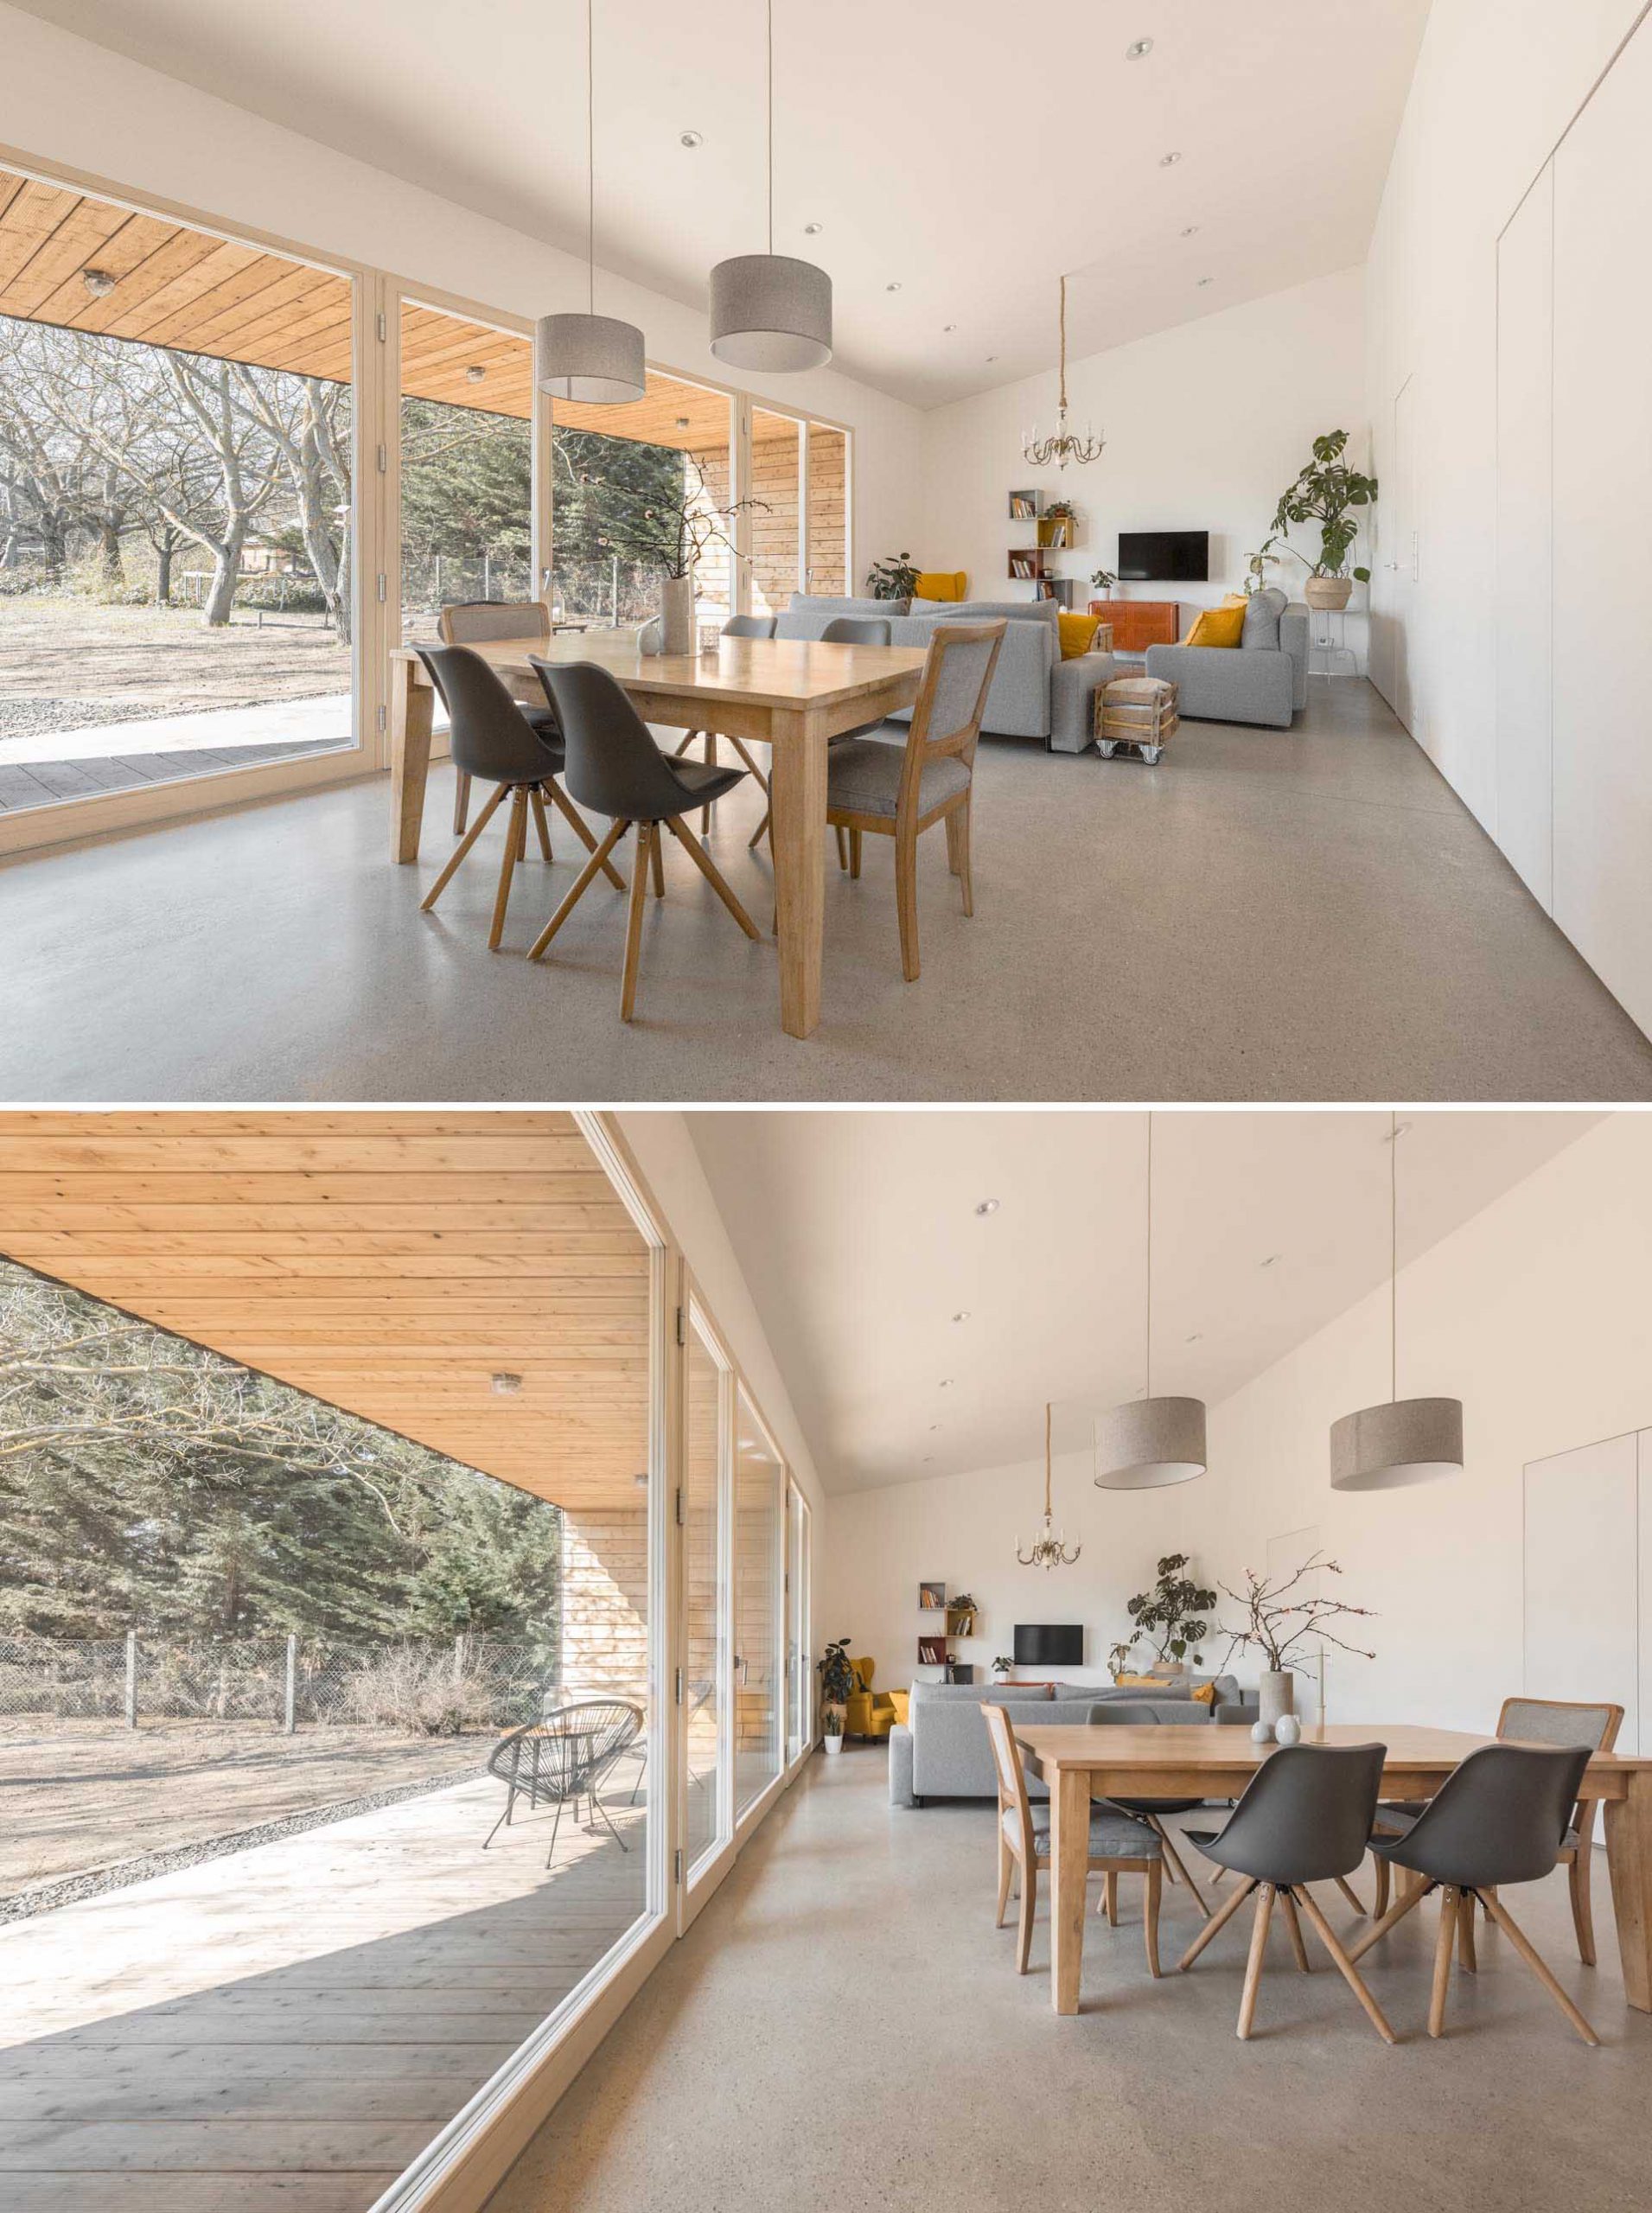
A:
(1278, 1695)
(833, 1744)
(677, 615)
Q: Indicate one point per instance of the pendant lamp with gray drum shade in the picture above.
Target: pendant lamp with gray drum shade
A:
(1149, 1442)
(591, 357)
(769, 311)
(1404, 1440)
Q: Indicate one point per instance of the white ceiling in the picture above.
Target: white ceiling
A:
(858, 1237)
(967, 151)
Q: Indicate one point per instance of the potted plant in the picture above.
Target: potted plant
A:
(1118, 1656)
(1103, 580)
(1324, 492)
(836, 1675)
(831, 1730)
(1001, 1667)
(1171, 1615)
(1257, 565)
(894, 579)
(1277, 1622)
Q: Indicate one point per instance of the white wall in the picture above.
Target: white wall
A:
(1205, 425)
(1537, 1314)
(1497, 84)
(64, 99)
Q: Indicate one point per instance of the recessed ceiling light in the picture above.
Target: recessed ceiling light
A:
(962, 1315)
(928, 1457)
(892, 288)
(99, 283)
(949, 326)
(1194, 1338)
(1168, 161)
(641, 1482)
(991, 357)
(505, 1384)
(813, 230)
(1271, 1259)
(1138, 49)
(987, 1206)
(1190, 230)
(691, 139)
(945, 1383)
(934, 1425)
(474, 373)
(682, 422)
(1207, 280)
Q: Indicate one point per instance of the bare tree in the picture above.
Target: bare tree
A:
(307, 420)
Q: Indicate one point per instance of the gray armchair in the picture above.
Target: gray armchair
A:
(1264, 679)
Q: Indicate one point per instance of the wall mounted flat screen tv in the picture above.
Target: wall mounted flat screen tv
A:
(1171, 557)
(1049, 1644)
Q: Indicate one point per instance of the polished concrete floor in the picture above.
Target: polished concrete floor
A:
(843, 2030)
(1304, 915)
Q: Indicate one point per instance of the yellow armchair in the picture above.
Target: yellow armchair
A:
(869, 1713)
(943, 583)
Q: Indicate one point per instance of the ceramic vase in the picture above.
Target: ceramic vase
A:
(1287, 1729)
(677, 614)
(1278, 1693)
(833, 1744)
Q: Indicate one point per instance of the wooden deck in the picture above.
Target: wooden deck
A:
(282, 2029)
(43, 783)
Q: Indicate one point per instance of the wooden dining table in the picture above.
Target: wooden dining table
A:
(1090, 1762)
(792, 694)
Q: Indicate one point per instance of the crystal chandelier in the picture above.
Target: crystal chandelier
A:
(1048, 1549)
(1064, 446)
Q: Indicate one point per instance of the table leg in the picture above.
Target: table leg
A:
(1628, 1856)
(410, 709)
(1070, 1863)
(797, 839)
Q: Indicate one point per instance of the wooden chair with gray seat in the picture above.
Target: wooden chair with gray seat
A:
(1498, 1818)
(1118, 1845)
(493, 739)
(1533, 1721)
(480, 622)
(614, 767)
(901, 789)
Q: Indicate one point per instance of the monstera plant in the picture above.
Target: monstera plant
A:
(1172, 1614)
(1327, 492)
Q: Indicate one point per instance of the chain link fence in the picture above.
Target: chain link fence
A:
(438, 1687)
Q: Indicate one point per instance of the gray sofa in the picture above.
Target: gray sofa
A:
(942, 1752)
(1035, 692)
(1264, 679)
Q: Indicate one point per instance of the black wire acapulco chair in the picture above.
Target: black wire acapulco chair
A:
(564, 1758)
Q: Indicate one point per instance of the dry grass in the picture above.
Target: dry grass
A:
(156, 660)
(75, 1795)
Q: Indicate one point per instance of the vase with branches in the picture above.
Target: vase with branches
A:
(1281, 1620)
(674, 530)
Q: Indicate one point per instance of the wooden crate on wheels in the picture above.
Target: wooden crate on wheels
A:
(1137, 712)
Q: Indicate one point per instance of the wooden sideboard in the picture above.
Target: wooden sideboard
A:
(1139, 623)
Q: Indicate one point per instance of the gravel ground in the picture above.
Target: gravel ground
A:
(28, 717)
(45, 1898)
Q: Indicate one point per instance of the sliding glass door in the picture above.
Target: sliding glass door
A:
(759, 1512)
(705, 1732)
(799, 1704)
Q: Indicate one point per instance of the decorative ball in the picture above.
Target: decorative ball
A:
(651, 639)
(1287, 1729)
(1261, 1732)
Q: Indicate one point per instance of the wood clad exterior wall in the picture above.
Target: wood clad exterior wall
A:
(605, 1604)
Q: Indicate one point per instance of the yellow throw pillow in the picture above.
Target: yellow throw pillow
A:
(1078, 633)
(1203, 1694)
(942, 584)
(1218, 626)
(1139, 1682)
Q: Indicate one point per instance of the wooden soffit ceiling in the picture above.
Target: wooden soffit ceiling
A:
(391, 1264)
(183, 288)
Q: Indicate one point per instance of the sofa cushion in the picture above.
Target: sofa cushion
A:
(1220, 627)
(1262, 613)
(1047, 611)
(1112, 1835)
(809, 613)
(1019, 701)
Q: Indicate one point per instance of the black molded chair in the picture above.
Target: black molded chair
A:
(737, 626)
(1502, 1815)
(492, 738)
(1130, 1714)
(564, 1758)
(1305, 1817)
(472, 622)
(614, 767)
(842, 630)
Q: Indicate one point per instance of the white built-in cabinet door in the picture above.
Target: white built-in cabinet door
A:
(1588, 1577)
(1525, 516)
(1603, 496)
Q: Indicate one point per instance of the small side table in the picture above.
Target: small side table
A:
(1138, 713)
(1330, 644)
